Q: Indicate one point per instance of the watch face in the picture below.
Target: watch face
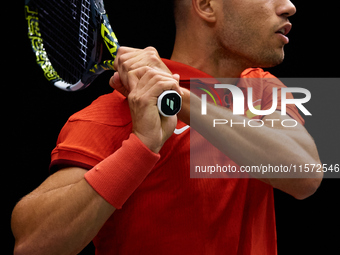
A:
(171, 103)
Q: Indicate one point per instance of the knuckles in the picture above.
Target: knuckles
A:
(151, 50)
(152, 54)
(150, 71)
(149, 53)
(122, 60)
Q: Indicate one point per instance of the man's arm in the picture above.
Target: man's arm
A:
(66, 212)
(269, 144)
(60, 217)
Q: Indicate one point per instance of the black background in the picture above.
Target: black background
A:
(33, 112)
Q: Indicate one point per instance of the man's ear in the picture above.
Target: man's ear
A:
(206, 9)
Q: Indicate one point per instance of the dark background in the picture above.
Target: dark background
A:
(33, 112)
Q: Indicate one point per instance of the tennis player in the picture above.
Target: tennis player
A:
(120, 171)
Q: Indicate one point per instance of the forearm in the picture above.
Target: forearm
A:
(66, 212)
(253, 146)
(59, 221)
(245, 145)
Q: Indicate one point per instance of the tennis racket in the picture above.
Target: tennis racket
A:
(67, 38)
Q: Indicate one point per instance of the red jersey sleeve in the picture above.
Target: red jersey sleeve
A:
(92, 134)
(264, 82)
(270, 82)
(99, 139)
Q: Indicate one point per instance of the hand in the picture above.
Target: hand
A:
(149, 126)
(130, 59)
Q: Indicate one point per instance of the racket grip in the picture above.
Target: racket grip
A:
(169, 103)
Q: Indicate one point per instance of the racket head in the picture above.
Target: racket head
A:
(67, 39)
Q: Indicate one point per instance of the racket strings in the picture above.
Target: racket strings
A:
(67, 34)
(84, 31)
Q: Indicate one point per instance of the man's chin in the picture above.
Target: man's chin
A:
(271, 60)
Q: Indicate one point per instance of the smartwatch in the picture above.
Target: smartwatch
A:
(169, 103)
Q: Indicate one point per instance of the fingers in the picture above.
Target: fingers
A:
(147, 73)
(152, 83)
(131, 80)
(116, 84)
(131, 59)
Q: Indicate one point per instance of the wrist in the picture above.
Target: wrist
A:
(148, 143)
(119, 175)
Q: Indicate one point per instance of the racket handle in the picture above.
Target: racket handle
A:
(169, 103)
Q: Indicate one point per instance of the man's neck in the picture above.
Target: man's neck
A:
(214, 63)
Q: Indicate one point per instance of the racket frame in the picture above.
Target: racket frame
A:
(103, 35)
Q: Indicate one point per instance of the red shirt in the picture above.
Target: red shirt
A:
(170, 213)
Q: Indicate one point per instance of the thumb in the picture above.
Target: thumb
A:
(117, 84)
